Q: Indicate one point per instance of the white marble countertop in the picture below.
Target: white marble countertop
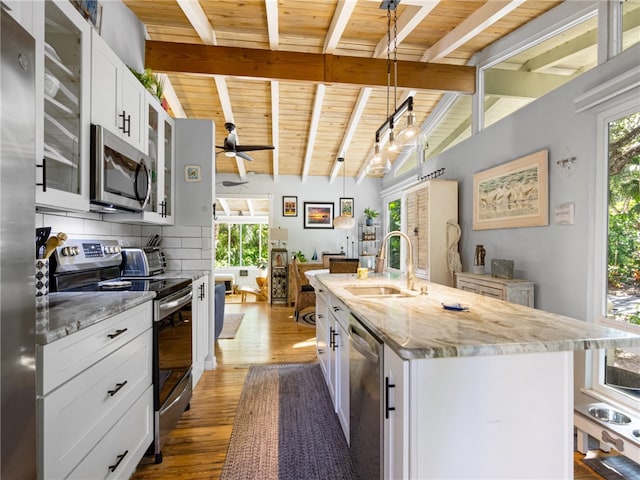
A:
(61, 314)
(419, 327)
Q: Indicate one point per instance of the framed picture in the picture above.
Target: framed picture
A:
(512, 195)
(318, 214)
(346, 207)
(289, 206)
(192, 173)
(90, 10)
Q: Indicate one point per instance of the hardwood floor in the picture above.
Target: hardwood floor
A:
(197, 448)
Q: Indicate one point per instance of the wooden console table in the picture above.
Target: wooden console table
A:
(512, 290)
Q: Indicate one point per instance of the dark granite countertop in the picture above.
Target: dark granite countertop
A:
(61, 314)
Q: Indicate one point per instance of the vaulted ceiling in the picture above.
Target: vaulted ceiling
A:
(310, 77)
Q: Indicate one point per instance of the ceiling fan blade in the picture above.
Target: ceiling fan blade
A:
(251, 148)
(243, 155)
(229, 183)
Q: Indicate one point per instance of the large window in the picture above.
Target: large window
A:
(241, 244)
(394, 214)
(618, 370)
(518, 80)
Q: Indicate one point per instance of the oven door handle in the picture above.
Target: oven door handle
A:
(177, 303)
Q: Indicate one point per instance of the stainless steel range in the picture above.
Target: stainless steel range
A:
(97, 265)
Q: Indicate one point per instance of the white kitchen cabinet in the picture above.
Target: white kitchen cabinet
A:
(429, 207)
(513, 290)
(470, 403)
(396, 406)
(200, 324)
(118, 99)
(161, 151)
(23, 13)
(63, 146)
(95, 398)
(339, 353)
(323, 348)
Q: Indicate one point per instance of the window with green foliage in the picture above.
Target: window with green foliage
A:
(394, 214)
(241, 244)
(620, 367)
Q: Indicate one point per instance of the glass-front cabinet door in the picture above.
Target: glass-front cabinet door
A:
(62, 176)
(169, 164)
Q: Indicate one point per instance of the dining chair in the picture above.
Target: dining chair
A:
(326, 258)
(344, 265)
(306, 295)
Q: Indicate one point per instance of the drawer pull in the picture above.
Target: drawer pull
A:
(117, 389)
(388, 385)
(113, 467)
(118, 332)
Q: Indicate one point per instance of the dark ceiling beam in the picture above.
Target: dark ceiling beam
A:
(306, 67)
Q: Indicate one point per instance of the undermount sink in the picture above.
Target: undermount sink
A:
(377, 291)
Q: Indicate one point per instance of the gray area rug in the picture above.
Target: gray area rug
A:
(285, 428)
(231, 325)
(615, 467)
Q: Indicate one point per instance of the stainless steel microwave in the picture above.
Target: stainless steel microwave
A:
(120, 176)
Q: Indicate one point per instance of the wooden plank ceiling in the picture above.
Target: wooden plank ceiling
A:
(236, 62)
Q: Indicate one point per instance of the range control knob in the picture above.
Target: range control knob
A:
(70, 251)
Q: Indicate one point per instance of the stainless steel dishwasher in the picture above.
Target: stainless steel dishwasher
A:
(365, 405)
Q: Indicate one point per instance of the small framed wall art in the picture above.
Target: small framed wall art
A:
(318, 214)
(192, 173)
(289, 206)
(346, 207)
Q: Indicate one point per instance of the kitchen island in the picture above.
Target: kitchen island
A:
(480, 393)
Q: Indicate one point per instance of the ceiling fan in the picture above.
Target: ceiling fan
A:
(230, 183)
(231, 148)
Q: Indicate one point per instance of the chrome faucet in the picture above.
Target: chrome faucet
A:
(380, 265)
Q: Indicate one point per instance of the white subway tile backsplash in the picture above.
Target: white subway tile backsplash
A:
(196, 265)
(171, 242)
(174, 264)
(97, 228)
(151, 230)
(183, 253)
(181, 231)
(62, 223)
(191, 242)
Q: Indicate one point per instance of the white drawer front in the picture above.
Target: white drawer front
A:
(132, 434)
(78, 414)
(61, 360)
(340, 311)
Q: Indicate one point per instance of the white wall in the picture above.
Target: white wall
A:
(314, 189)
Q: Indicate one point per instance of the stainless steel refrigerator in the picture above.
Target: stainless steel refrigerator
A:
(17, 252)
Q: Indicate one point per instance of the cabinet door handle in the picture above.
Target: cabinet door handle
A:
(123, 116)
(118, 332)
(117, 389)
(387, 386)
(120, 457)
(44, 175)
(331, 332)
